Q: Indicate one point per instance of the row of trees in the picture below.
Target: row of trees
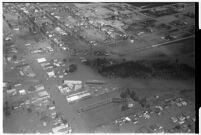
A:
(142, 69)
(7, 108)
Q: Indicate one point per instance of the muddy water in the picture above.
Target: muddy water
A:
(90, 120)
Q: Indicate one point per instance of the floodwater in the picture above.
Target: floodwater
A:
(88, 121)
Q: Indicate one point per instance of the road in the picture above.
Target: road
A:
(51, 85)
(56, 21)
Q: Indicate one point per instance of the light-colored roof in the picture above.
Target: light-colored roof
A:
(40, 60)
(51, 73)
(22, 92)
(43, 93)
(11, 90)
(76, 97)
(72, 81)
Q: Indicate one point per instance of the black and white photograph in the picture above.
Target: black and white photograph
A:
(98, 67)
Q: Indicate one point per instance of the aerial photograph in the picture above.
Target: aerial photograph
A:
(98, 67)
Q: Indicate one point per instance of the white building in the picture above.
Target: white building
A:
(51, 74)
(22, 92)
(64, 89)
(77, 96)
(12, 91)
(43, 93)
(73, 84)
(39, 87)
(40, 60)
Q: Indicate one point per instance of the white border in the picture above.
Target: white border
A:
(1, 29)
(1, 75)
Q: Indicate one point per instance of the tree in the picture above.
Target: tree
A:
(190, 126)
(176, 61)
(143, 102)
(29, 110)
(64, 60)
(9, 86)
(9, 25)
(123, 94)
(64, 121)
(72, 68)
(124, 108)
(6, 103)
(7, 112)
(58, 115)
(6, 109)
(44, 118)
(14, 57)
(127, 91)
(134, 96)
(177, 127)
(31, 88)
